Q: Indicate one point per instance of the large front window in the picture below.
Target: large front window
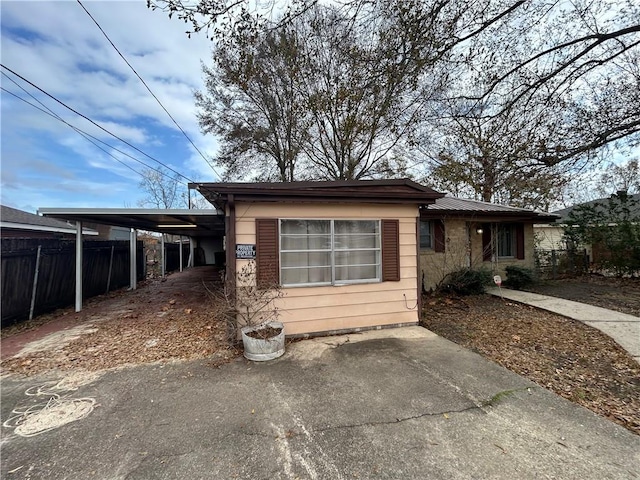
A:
(329, 252)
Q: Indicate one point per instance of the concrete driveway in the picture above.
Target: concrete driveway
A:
(398, 403)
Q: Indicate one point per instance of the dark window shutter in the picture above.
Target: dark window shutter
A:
(438, 236)
(520, 241)
(267, 258)
(486, 242)
(390, 250)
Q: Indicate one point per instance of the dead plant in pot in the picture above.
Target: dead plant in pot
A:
(252, 308)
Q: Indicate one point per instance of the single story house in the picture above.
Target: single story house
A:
(550, 236)
(456, 233)
(357, 254)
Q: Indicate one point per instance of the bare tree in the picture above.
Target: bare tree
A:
(620, 177)
(579, 59)
(162, 189)
(374, 68)
(494, 158)
(252, 104)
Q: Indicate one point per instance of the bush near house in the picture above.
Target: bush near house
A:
(467, 281)
(519, 277)
(612, 227)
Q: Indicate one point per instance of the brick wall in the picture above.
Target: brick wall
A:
(464, 249)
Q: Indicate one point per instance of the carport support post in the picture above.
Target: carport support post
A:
(35, 283)
(78, 266)
(191, 262)
(162, 256)
(133, 278)
(180, 252)
(110, 269)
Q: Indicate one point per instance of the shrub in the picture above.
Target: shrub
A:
(467, 281)
(519, 277)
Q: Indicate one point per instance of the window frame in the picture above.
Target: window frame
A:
(513, 247)
(332, 251)
(431, 234)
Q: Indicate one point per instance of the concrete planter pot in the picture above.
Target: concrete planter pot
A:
(263, 349)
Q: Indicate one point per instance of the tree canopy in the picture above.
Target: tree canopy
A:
(503, 100)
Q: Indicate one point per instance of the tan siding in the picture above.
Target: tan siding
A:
(329, 308)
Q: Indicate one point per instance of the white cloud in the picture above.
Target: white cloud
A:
(57, 47)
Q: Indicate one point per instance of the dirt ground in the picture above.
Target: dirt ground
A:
(620, 294)
(160, 321)
(574, 360)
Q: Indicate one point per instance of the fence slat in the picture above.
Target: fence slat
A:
(26, 294)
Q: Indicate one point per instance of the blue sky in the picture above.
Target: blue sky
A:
(56, 46)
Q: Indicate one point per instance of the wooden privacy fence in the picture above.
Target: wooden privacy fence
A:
(172, 252)
(38, 275)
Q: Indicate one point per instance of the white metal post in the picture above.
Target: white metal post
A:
(78, 266)
(180, 252)
(191, 261)
(35, 283)
(163, 266)
(132, 260)
(110, 269)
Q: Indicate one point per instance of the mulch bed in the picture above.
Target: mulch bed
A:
(573, 360)
(619, 294)
(156, 323)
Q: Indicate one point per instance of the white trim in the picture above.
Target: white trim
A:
(205, 212)
(42, 228)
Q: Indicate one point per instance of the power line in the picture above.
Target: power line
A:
(94, 123)
(81, 132)
(147, 87)
(58, 117)
(87, 136)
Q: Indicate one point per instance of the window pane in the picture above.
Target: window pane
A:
(369, 272)
(426, 239)
(305, 227)
(293, 276)
(305, 259)
(343, 242)
(305, 242)
(358, 257)
(505, 241)
(356, 226)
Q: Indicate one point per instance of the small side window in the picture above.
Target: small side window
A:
(426, 234)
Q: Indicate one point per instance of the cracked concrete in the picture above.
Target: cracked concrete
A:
(390, 404)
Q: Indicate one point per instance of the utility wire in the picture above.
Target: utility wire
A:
(58, 117)
(86, 135)
(95, 123)
(149, 89)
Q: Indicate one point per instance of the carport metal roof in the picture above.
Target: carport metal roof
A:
(191, 223)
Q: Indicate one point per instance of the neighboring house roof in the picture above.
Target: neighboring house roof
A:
(635, 209)
(483, 210)
(370, 191)
(15, 219)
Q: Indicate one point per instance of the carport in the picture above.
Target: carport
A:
(189, 223)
